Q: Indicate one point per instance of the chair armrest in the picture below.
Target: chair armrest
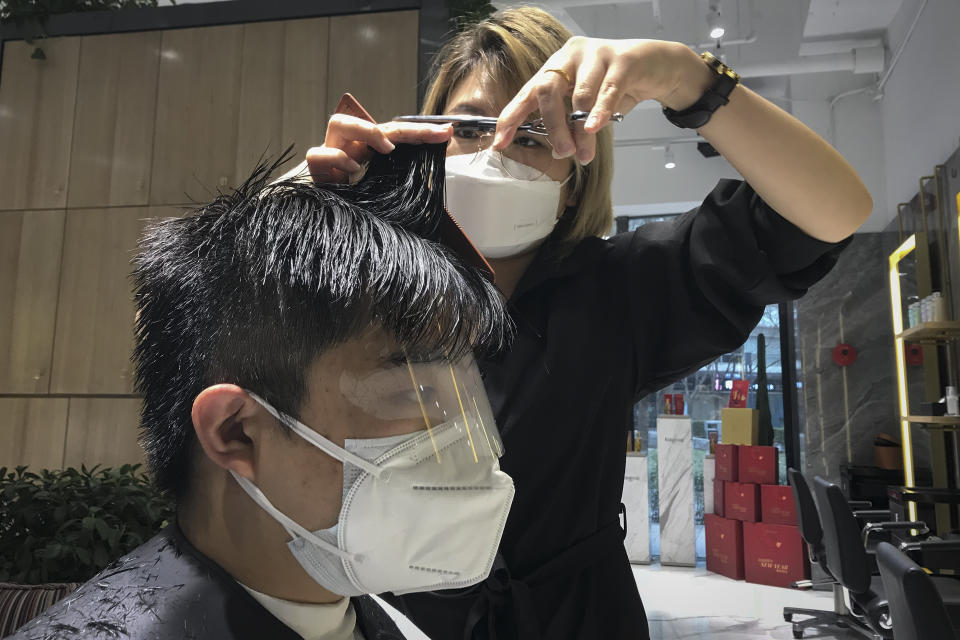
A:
(933, 554)
(868, 514)
(873, 527)
(860, 504)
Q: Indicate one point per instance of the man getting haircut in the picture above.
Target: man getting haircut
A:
(311, 401)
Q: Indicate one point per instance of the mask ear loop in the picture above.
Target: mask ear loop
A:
(293, 529)
(317, 440)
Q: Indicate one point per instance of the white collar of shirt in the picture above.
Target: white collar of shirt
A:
(335, 621)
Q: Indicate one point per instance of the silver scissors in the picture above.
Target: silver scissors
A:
(487, 124)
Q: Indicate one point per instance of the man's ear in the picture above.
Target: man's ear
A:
(224, 421)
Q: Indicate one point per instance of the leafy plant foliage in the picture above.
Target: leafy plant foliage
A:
(66, 525)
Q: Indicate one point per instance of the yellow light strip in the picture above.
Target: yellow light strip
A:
(423, 410)
(464, 413)
(896, 309)
(484, 429)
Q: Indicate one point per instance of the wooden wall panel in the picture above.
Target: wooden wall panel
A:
(374, 57)
(95, 311)
(103, 431)
(305, 84)
(36, 123)
(260, 109)
(32, 432)
(195, 139)
(30, 249)
(113, 133)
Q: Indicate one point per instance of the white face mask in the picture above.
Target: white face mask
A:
(502, 213)
(406, 523)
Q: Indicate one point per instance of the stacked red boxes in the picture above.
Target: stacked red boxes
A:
(724, 533)
(724, 546)
(753, 531)
(774, 553)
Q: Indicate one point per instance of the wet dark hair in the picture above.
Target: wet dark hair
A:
(253, 287)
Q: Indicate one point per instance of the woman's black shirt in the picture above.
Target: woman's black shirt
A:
(614, 320)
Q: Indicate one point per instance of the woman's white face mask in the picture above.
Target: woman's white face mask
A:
(504, 207)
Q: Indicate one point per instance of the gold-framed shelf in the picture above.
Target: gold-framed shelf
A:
(932, 331)
(934, 419)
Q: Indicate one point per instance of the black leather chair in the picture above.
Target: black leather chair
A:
(916, 601)
(812, 533)
(849, 562)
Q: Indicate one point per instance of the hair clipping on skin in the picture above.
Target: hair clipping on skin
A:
(448, 231)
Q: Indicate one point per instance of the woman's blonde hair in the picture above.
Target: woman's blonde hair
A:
(511, 46)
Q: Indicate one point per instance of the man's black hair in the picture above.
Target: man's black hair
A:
(253, 287)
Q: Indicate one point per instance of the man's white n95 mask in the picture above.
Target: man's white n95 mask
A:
(421, 510)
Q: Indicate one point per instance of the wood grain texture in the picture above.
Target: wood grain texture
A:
(305, 84)
(30, 249)
(94, 332)
(36, 123)
(32, 432)
(113, 133)
(198, 96)
(260, 111)
(374, 57)
(103, 431)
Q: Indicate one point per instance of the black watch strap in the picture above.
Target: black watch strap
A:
(716, 96)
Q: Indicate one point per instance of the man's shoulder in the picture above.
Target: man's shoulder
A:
(162, 589)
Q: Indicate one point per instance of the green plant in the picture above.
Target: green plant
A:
(765, 431)
(30, 16)
(66, 525)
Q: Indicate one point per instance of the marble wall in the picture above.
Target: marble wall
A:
(844, 408)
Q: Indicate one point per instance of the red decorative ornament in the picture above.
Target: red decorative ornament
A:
(844, 355)
(913, 354)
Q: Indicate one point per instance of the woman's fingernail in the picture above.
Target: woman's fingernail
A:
(389, 146)
(354, 166)
(562, 152)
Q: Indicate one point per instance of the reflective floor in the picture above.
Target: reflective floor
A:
(693, 603)
(686, 604)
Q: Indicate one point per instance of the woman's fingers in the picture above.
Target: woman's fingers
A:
(328, 164)
(590, 77)
(608, 100)
(351, 141)
(417, 133)
(343, 129)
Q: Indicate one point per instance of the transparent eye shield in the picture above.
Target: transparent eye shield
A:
(432, 408)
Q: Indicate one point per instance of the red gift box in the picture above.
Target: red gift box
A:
(758, 465)
(724, 541)
(777, 505)
(726, 467)
(774, 554)
(718, 498)
(741, 501)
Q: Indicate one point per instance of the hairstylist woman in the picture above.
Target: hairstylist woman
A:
(601, 322)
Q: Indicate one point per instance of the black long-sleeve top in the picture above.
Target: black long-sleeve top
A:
(612, 321)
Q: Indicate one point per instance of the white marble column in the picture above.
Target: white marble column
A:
(675, 474)
(709, 473)
(636, 498)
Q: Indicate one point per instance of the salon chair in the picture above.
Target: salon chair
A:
(812, 533)
(848, 561)
(916, 603)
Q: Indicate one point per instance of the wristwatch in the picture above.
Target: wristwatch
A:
(716, 96)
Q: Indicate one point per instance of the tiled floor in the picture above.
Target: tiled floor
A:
(692, 604)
